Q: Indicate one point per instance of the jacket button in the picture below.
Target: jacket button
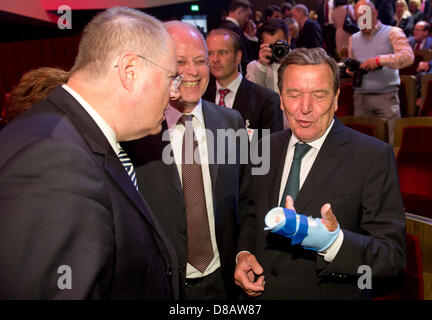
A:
(169, 272)
(274, 272)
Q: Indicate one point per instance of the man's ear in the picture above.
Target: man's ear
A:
(127, 71)
(336, 97)
(238, 57)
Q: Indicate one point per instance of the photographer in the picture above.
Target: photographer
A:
(385, 46)
(264, 70)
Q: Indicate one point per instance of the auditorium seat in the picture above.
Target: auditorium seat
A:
(412, 286)
(373, 126)
(407, 96)
(419, 55)
(426, 96)
(413, 138)
(345, 100)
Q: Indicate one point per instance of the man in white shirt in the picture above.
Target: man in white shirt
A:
(73, 224)
(182, 190)
(341, 175)
(259, 106)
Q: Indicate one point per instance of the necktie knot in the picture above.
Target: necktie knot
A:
(185, 119)
(300, 150)
(222, 94)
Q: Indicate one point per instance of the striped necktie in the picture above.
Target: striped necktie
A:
(222, 94)
(127, 164)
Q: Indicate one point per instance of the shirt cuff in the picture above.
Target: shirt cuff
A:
(333, 250)
(261, 67)
(239, 254)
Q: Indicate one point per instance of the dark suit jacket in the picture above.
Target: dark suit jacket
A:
(310, 36)
(427, 45)
(161, 186)
(258, 105)
(247, 55)
(357, 175)
(386, 10)
(67, 200)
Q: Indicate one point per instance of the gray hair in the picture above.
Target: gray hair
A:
(116, 31)
(184, 25)
(303, 56)
(302, 8)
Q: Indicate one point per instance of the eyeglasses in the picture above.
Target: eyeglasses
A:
(175, 78)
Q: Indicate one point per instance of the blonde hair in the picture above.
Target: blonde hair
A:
(417, 2)
(116, 31)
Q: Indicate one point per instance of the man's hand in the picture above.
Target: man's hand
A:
(328, 219)
(265, 54)
(369, 65)
(423, 66)
(244, 276)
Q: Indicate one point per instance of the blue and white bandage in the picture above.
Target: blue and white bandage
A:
(309, 232)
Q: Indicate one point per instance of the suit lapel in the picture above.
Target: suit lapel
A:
(211, 123)
(279, 146)
(241, 99)
(98, 144)
(332, 153)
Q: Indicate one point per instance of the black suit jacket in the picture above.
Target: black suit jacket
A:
(357, 175)
(247, 55)
(160, 184)
(259, 106)
(310, 36)
(67, 200)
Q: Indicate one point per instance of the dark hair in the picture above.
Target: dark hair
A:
(234, 37)
(286, 6)
(304, 57)
(272, 26)
(239, 3)
(270, 10)
(338, 3)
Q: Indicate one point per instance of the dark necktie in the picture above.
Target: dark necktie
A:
(292, 186)
(127, 164)
(417, 46)
(200, 249)
(222, 94)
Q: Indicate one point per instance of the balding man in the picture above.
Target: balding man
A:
(73, 224)
(378, 45)
(196, 202)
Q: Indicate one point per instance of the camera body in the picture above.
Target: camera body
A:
(354, 66)
(279, 50)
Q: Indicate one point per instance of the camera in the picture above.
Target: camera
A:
(279, 50)
(354, 66)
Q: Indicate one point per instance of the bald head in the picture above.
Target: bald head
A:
(366, 16)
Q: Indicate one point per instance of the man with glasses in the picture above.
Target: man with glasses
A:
(421, 41)
(186, 176)
(73, 224)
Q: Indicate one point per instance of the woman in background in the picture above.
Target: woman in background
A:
(341, 9)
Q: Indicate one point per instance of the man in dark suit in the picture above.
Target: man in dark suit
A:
(320, 162)
(421, 41)
(180, 189)
(310, 35)
(73, 225)
(259, 106)
(239, 12)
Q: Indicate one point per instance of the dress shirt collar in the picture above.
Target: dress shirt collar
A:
(101, 123)
(316, 144)
(233, 21)
(172, 115)
(233, 86)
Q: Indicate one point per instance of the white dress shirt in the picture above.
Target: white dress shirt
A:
(230, 96)
(101, 123)
(176, 133)
(306, 165)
